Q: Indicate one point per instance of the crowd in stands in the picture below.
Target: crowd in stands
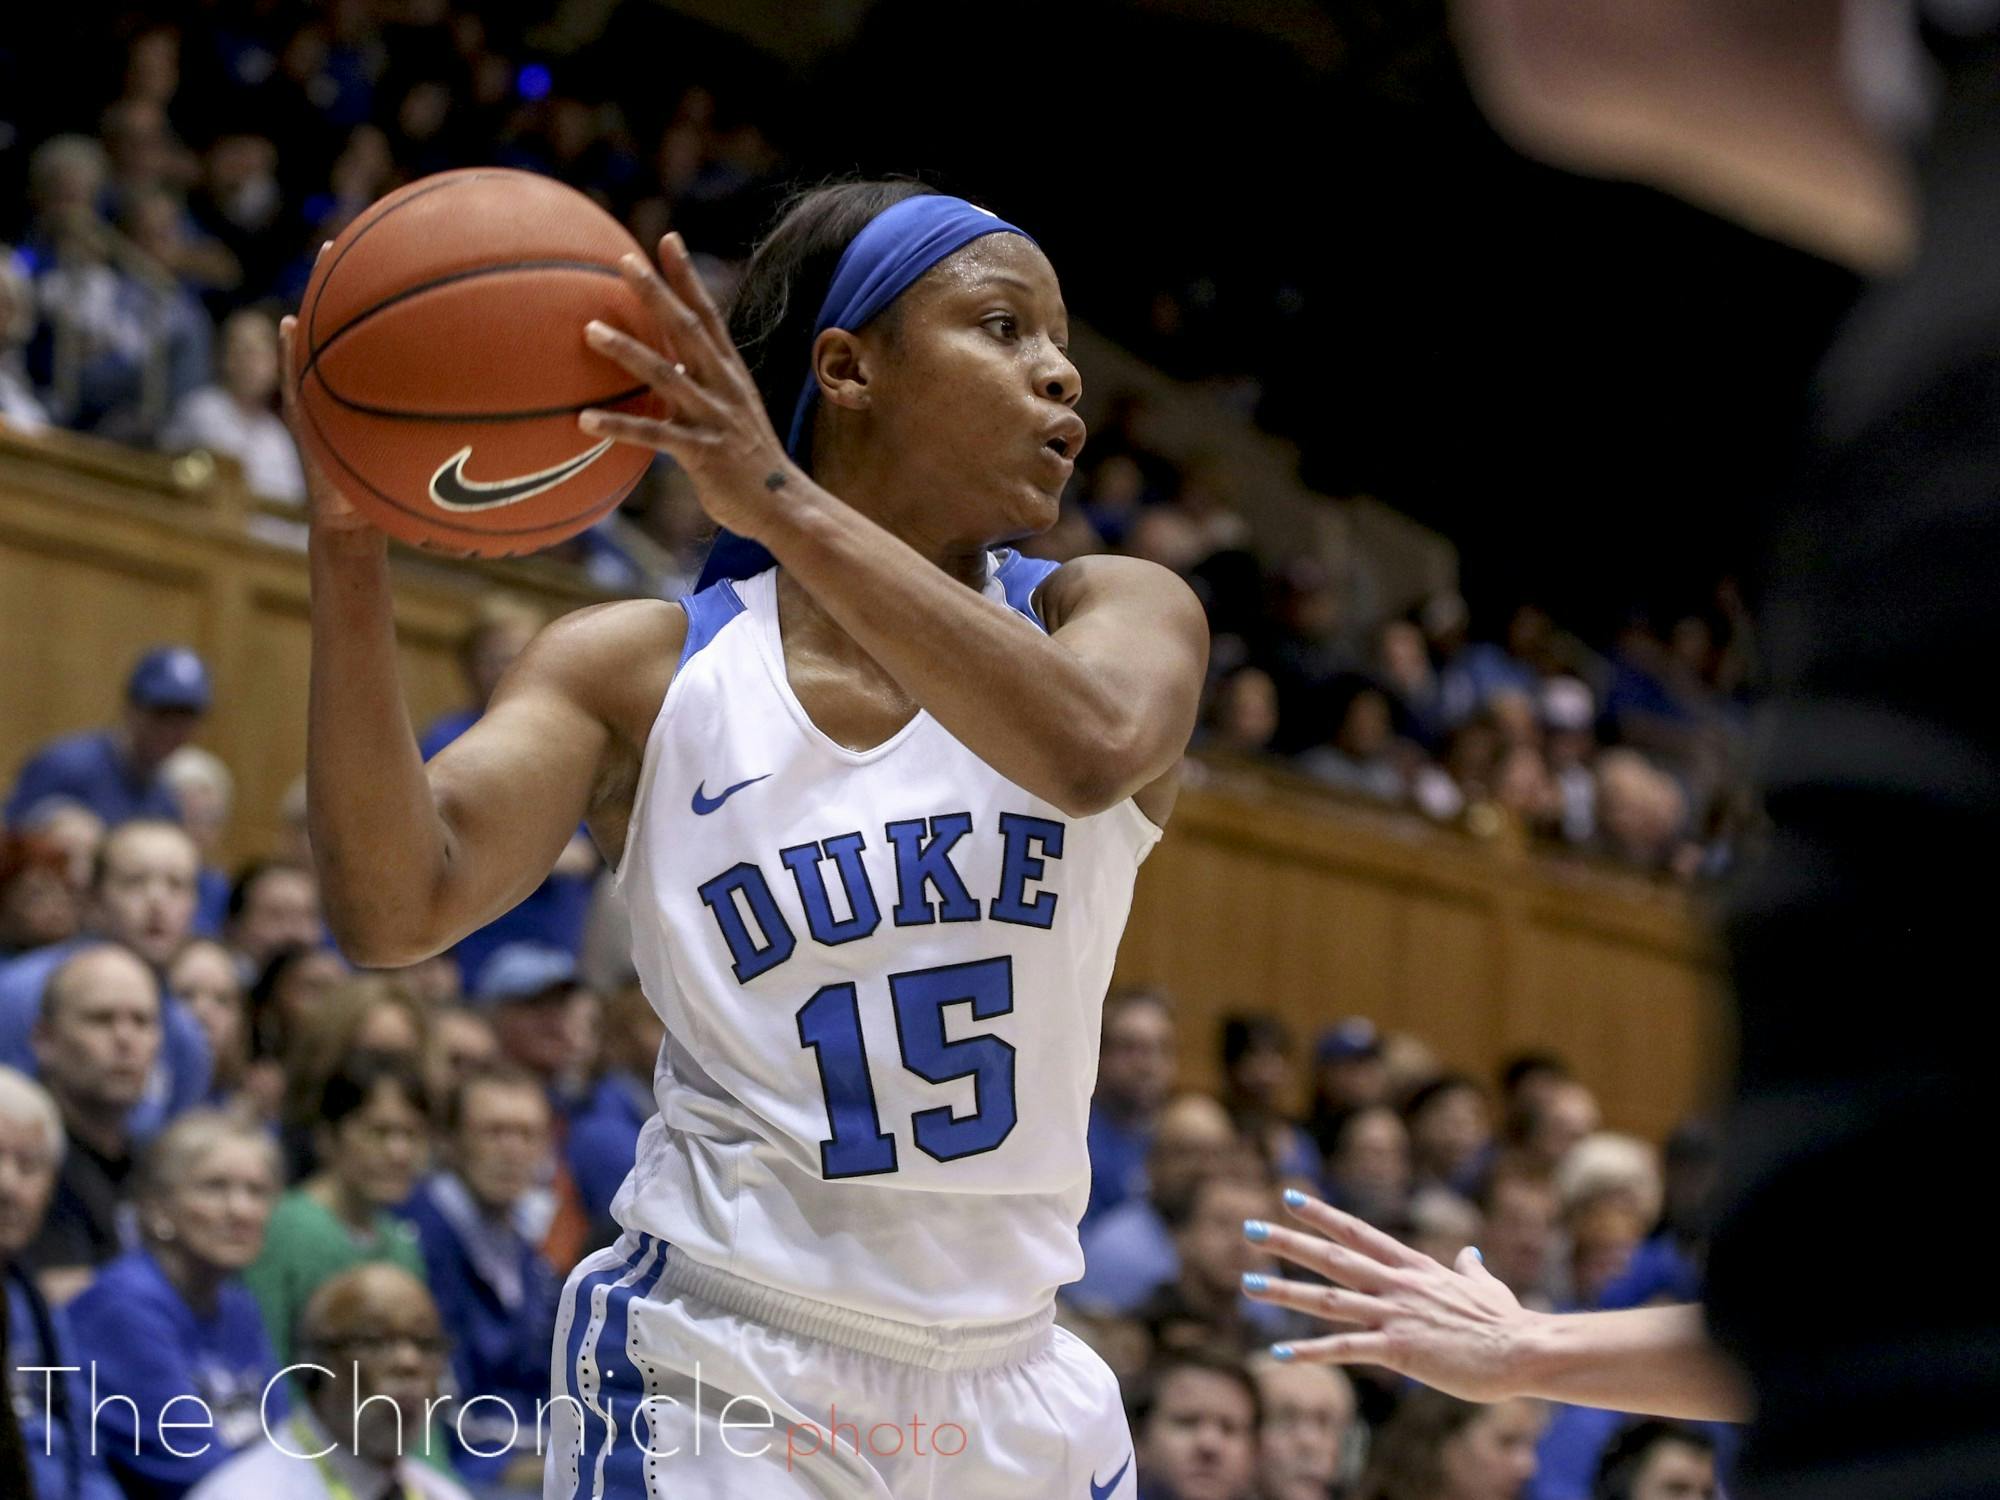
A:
(167, 219)
(224, 1151)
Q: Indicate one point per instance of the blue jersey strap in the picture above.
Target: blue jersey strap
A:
(707, 612)
(1020, 577)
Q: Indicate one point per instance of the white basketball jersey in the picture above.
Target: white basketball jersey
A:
(881, 973)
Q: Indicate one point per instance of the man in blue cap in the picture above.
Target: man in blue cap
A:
(116, 771)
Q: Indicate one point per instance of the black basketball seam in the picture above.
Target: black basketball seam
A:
(394, 415)
(589, 267)
(444, 181)
(433, 519)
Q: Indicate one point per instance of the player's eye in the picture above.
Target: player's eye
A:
(1003, 325)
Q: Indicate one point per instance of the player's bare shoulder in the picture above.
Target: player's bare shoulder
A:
(1085, 581)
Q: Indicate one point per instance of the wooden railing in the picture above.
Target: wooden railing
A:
(1265, 895)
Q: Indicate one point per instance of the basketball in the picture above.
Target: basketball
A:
(442, 362)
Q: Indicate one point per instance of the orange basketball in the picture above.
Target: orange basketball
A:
(442, 362)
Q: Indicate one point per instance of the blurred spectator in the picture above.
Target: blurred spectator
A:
(1302, 1443)
(554, 913)
(119, 341)
(1658, 1460)
(531, 994)
(1361, 756)
(462, 1043)
(289, 992)
(1259, 1085)
(1128, 1251)
(480, 1223)
(115, 772)
(54, 1418)
(1437, 1447)
(1641, 813)
(1403, 658)
(1242, 714)
(274, 904)
(74, 831)
(38, 909)
(364, 1013)
(372, 1146)
(142, 896)
(172, 1320)
(1204, 1305)
(1550, 1120)
(1526, 1078)
(1368, 1168)
(604, 1134)
(1568, 715)
(20, 408)
(1470, 674)
(1195, 1423)
(238, 415)
(1135, 1075)
(1348, 1074)
(1451, 1134)
(375, 1334)
(205, 792)
(202, 978)
(1520, 1237)
(1604, 1230)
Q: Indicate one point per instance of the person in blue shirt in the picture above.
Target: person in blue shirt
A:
(604, 1132)
(142, 896)
(554, 913)
(477, 1223)
(1135, 1074)
(1128, 1252)
(52, 1409)
(172, 1319)
(115, 771)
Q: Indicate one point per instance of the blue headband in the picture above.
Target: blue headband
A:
(880, 263)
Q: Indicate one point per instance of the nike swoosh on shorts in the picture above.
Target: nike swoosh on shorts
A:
(451, 489)
(1100, 1491)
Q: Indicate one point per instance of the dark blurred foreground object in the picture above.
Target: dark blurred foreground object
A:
(1863, 1058)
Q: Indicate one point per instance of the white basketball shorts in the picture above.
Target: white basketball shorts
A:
(675, 1381)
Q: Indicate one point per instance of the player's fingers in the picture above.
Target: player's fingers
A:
(1335, 1262)
(1331, 1303)
(678, 267)
(1346, 1229)
(664, 435)
(288, 374)
(681, 325)
(1337, 1349)
(667, 376)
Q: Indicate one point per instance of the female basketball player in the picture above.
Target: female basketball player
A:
(876, 811)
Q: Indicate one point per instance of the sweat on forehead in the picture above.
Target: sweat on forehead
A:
(994, 257)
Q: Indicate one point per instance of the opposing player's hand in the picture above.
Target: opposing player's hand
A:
(1457, 1329)
(326, 506)
(715, 425)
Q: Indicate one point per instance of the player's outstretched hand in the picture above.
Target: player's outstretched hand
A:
(715, 425)
(1457, 1329)
(327, 507)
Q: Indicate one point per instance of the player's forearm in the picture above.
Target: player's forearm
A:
(1654, 1360)
(1026, 705)
(377, 839)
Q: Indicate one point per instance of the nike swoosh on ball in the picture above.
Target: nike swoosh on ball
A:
(451, 489)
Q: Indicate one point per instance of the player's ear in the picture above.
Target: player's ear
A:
(841, 365)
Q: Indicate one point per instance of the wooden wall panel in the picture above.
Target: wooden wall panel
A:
(1262, 896)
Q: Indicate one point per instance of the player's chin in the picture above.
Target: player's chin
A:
(1033, 507)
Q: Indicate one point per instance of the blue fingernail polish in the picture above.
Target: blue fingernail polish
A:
(1281, 1351)
(1294, 1198)
(1476, 1255)
(1256, 1231)
(1255, 1282)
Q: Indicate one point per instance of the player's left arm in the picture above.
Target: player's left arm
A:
(1084, 716)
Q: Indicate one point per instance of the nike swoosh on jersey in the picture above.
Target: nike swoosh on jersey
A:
(704, 805)
(451, 489)
(1100, 1491)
